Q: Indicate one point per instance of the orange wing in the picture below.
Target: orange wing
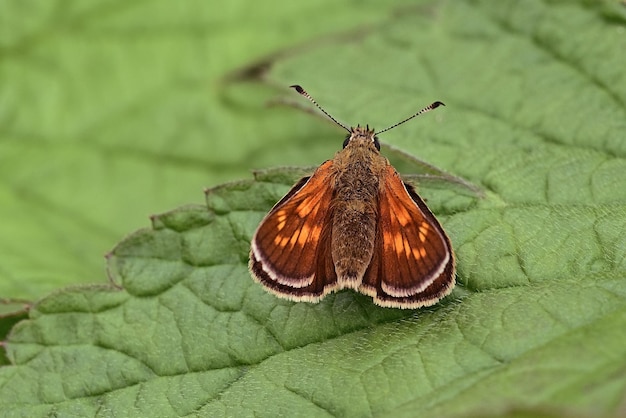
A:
(290, 252)
(413, 263)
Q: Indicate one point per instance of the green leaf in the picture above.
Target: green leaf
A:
(536, 326)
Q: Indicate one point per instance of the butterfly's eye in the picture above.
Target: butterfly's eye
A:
(346, 141)
(376, 143)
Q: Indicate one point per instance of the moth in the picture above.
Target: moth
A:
(354, 224)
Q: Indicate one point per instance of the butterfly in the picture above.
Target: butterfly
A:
(354, 224)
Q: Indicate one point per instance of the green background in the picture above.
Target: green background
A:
(112, 111)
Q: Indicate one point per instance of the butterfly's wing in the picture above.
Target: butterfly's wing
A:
(413, 263)
(290, 252)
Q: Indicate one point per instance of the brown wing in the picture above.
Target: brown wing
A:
(290, 252)
(413, 263)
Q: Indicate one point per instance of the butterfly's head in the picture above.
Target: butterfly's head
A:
(363, 137)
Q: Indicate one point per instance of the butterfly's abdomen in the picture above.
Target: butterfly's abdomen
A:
(355, 213)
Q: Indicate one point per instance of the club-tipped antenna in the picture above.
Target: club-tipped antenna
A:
(424, 110)
(308, 96)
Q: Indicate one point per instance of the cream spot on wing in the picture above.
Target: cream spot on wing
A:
(423, 232)
(293, 240)
(388, 239)
(399, 243)
(316, 231)
(305, 209)
(403, 217)
(281, 241)
(407, 248)
(304, 235)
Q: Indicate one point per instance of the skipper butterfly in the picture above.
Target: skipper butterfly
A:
(354, 224)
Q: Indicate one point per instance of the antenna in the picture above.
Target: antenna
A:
(308, 96)
(424, 110)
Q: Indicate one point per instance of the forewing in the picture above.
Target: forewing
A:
(413, 263)
(290, 252)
